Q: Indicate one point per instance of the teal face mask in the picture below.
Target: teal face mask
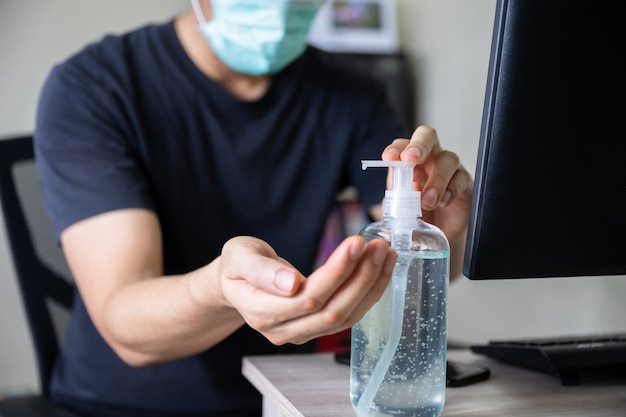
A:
(257, 36)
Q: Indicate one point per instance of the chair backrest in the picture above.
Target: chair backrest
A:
(44, 280)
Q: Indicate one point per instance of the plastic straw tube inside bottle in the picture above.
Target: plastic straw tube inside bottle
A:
(400, 271)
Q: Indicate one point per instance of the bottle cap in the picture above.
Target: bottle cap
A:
(402, 200)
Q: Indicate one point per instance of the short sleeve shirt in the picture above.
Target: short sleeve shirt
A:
(131, 122)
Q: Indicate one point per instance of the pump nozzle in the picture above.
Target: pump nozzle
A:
(401, 200)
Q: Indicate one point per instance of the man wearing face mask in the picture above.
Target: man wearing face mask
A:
(188, 169)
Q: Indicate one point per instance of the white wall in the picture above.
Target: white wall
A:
(448, 42)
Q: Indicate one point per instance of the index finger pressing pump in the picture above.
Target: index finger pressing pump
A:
(398, 354)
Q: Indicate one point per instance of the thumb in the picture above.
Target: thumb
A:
(255, 261)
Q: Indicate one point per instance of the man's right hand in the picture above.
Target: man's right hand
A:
(275, 299)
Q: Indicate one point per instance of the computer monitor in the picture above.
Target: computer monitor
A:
(550, 182)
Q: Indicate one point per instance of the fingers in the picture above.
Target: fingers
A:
(439, 174)
(331, 299)
(436, 177)
(367, 284)
(422, 143)
(340, 265)
(255, 261)
(347, 288)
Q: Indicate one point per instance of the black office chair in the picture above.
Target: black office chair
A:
(45, 287)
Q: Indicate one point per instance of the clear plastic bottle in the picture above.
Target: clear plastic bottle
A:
(398, 355)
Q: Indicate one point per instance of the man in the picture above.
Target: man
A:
(188, 169)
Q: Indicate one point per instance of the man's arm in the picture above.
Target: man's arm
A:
(148, 318)
(117, 264)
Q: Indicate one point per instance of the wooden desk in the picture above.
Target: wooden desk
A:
(316, 386)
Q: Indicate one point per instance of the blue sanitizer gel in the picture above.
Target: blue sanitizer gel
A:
(398, 359)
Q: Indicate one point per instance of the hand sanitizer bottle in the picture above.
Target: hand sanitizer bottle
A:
(398, 355)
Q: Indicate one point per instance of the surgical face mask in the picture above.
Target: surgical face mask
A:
(257, 36)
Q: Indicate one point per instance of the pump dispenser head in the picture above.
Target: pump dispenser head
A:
(401, 201)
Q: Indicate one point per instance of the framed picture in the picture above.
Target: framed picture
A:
(359, 26)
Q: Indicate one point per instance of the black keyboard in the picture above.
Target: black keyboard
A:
(569, 358)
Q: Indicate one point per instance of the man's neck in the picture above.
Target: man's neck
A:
(243, 86)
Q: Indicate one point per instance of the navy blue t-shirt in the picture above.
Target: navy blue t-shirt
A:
(130, 121)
